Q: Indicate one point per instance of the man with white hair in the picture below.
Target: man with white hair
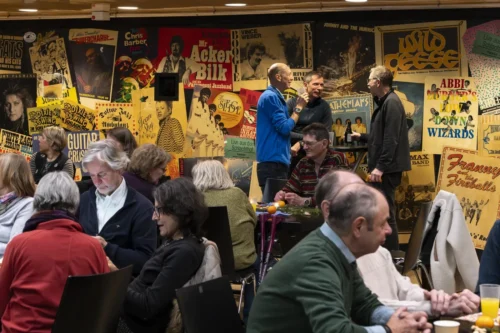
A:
(115, 214)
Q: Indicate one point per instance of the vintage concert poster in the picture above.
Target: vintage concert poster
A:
(255, 49)
(412, 96)
(17, 94)
(475, 180)
(450, 113)
(45, 116)
(414, 51)
(346, 54)
(199, 56)
(489, 136)
(12, 142)
(111, 115)
(12, 54)
(76, 117)
(250, 98)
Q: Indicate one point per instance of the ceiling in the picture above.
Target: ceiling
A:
(49, 9)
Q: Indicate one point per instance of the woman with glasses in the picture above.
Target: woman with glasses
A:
(148, 164)
(179, 213)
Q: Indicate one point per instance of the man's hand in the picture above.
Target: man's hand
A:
(464, 303)
(469, 295)
(302, 100)
(185, 77)
(355, 136)
(376, 176)
(111, 266)
(279, 196)
(101, 240)
(440, 301)
(295, 149)
(404, 322)
(294, 199)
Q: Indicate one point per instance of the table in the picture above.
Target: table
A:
(353, 148)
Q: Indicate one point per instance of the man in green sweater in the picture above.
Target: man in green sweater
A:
(316, 287)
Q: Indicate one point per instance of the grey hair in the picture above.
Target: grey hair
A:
(332, 182)
(57, 190)
(350, 202)
(106, 151)
(211, 175)
(383, 74)
(309, 76)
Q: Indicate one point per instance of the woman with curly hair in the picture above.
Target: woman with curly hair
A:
(15, 102)
(179, 212)
(147, 165)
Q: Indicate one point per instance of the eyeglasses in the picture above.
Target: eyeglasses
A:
(308, 143)
(373, 78)
(158, 210)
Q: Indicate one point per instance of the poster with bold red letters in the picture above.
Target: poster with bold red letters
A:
(200, 56)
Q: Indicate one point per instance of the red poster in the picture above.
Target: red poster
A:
(200, 56)
(249, 99)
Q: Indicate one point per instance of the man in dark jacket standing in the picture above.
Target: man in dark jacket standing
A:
(388, 146)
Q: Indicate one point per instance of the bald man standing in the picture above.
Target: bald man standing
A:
(274, 125)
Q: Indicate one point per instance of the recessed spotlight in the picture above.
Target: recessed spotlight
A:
(356, 0)
(28, 10)
(235, 4)
(128, 7)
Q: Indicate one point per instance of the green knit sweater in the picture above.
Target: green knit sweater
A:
(242, 221)
(312, 289)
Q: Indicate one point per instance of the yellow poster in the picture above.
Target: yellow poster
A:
(41, 117)
(111, 115)
(450, 114)
(489, 135)
(417, 186)
(76, 117)
(145, 107)
(414, 51)
(12, 142)
(476, 183)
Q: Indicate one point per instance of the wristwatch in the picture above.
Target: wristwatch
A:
(307, 202)
(387, 329)
(297, 110)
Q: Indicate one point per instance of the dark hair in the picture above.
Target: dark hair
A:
(177, 39)
(125, 137)
(337, 120)
(205, 91)
(221, 124)
(317, 130)
(254, 47)
(360, 119)
(218, 117)
(180, 199)
(212, 106)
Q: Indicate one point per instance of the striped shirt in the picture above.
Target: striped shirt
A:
(304, 179)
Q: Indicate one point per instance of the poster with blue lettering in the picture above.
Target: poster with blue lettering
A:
(134, 64)
(414, 51)
(412, 96)
(450, 114)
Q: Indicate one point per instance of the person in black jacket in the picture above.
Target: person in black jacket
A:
(388, 145)
(179, 212)
(114, 213)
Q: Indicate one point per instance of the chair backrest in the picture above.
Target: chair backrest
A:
(273, 186)
(216, 228)
(416, 238)
(209, 307)
(92, 303)
(290, 235)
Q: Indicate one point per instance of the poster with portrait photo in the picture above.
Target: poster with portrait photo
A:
(49, 61)
(412, 96)
(134, 63)
(17, 94)
(200, 56)
(93, 53)
(256, 49)
(346, 54)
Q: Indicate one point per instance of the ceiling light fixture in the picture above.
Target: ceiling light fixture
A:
(235, 4)
(28, 10)
(128, 7)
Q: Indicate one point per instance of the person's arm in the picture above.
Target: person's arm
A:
(33, 164)
(69, 168)
(192, 66)
(392, 130)
(281, 123)
(178, 135)
(327, 119)
(22, 216)
(143, 243)
(294, 183)
(177, 268)
(489, 270)
(7, 271)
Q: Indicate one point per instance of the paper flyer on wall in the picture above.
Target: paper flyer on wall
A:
(297, 87)
(11, 142)
(134, 63)
(476, 183)
(76, 117)
(93, 52)
(17, 94)
(12, 53)
(111, 115)
(414, 51)
(214, 113)
(49, 60)
(412, 96)
(201, 56)
(417, 186)
(45, 116)
(250, 98)
(145, 106)
(346, 54)
(450, 113)
(488, 141)
(254, 50)
(483, 66)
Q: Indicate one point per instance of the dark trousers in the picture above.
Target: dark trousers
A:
(388, 187)
(270, 170)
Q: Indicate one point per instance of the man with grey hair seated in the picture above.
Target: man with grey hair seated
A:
(316, 287)
(38, 261)
(115, 214)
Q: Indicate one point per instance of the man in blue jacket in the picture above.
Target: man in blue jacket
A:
(274, 125)
(115, 214)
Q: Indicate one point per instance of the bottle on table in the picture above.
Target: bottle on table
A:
(348, 134)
